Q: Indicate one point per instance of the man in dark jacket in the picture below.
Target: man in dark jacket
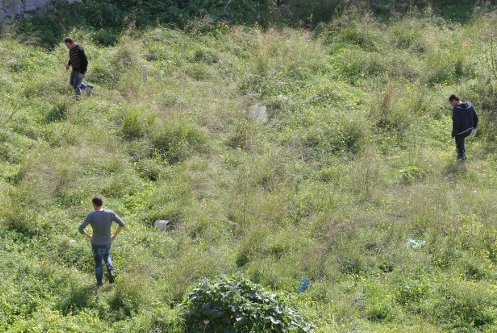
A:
(79, 64)
(464, 123)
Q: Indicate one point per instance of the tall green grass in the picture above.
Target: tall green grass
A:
(355, 159)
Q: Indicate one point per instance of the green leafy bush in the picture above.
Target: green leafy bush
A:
(106, 37)
(235, 304)
(410, 173)
(177, 141)
(132, 127)
(464, 304)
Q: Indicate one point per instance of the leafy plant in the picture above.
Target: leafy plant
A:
(411, 173)
(235, 304)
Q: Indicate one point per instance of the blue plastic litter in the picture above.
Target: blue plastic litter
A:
(304, 285)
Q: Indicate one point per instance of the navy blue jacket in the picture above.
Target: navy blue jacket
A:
(464, 118)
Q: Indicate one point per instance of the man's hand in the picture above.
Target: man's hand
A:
(87, 235)
(118, 230)
(67, 67)
(81, 75)
(473, 132)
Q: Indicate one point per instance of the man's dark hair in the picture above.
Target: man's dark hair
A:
(454, 98)
(97, 201)
(68, 40)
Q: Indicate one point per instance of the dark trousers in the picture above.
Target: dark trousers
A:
(101, 252)
(461, 150)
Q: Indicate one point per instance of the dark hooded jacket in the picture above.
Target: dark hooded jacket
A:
(464, 118)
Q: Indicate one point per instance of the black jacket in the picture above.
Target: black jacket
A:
(464, 118)
(78, 60)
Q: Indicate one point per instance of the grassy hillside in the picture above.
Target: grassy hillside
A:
(355, 160)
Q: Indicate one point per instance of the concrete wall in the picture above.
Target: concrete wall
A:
(18, 9)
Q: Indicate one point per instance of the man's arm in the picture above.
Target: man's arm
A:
(120, 227)
(82, 228)
(475, 118)
(118, 230)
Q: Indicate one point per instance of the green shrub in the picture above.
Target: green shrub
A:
(132, 127)
(178, 141)
(234, 304)
(206, 56)
(345, 135)
(57, 113)
(20, 213)
(77, 299)
(117, 62)
(463, 304)
(410, 173)
(151, 169)
(244, 136)
(105, 37)
(412, 291)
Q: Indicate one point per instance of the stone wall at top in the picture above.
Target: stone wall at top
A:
(18, 9)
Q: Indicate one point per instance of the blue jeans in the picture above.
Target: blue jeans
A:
(77, 82)
(101, 252)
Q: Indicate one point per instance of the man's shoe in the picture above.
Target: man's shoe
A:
(100, 285)
(111, 275)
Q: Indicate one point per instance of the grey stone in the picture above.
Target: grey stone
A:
(11, 8)
(30, 6)
(17, 9)
(259, 112)
(163, 225)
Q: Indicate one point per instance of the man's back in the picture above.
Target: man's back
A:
(101, 222)
(78, 60)
(464, 118)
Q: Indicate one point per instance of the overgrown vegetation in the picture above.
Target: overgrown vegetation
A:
(106, 20)
(354, 164)
(233, 304)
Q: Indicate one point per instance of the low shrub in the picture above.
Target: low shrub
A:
(463, 304)
(177, 141)
(105, 37)
(57, 113)
(410, 173)
(235, 304)
(132, 126)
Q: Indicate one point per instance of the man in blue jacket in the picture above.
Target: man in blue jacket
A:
(464, 123)
(100, 221)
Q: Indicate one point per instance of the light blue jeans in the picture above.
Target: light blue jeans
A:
(101, 252)
(77, 82)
